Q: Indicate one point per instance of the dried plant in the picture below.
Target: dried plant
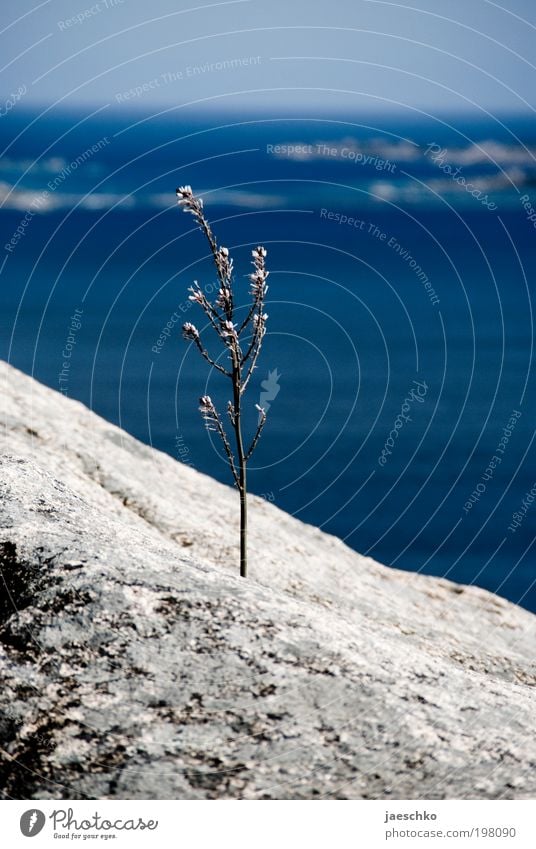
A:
(242, 341)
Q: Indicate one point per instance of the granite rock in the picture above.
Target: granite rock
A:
(135, 663)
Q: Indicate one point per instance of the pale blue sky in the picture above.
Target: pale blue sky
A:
(363, 55)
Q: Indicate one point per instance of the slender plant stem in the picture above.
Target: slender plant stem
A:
(242, 480)
(243, 523)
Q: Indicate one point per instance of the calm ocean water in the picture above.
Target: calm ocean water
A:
(398, 362)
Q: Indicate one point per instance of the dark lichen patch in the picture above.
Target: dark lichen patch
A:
(216, 777)
(19, 581)
(24, 768)
(19, 640)
(68, 601)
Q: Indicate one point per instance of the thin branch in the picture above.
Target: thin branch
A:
(209, 359)
(212, 417)
(249, 316)
(217, 321)
(205, 227)
(258, 432)
(251, 367)
(231, 340)
(247, 355)
(228, 450)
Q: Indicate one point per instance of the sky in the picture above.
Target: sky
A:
(369, 55)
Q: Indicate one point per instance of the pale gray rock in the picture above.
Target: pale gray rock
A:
(135, 663)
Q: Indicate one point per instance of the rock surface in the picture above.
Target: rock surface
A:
(135, 663)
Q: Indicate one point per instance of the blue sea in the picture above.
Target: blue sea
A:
(398, 366)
